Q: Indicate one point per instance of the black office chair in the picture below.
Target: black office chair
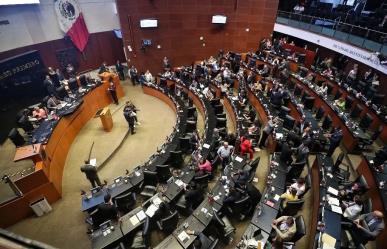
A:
(297, 90)
(337, 95)
(292, 207)
(367, 206)
(327, 123)
(73, 85)
(342, 174)
(142, 238)
(16, 138)
(149, 185)
(125, 202)
(163, 172)
(190, 126)
(300, 229)
(284, 111)
(241, 208)
(253, 168)
(168, 224)
(202, 180)
(191, 111)
(368, 142)
(308, 185)
(320, 113)
(221, 123)
(356, 111)
(97, 218)
(215, 102)
(214, 243)
(185, 146)
(225, 226)
(366, 121)
(295, 171)
(25, 124)
(348, 102)
(218, 109)
(176, 159)
(222, 115)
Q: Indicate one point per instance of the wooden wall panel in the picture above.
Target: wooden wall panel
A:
(103, 46)
(181, 23)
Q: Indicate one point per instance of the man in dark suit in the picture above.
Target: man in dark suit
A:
(120, 70)
(368, 227)
(334, 139)
(302, 152)
(91, 174)
(301, 125)
(49, 85)
(254, 193)
(193, 196)
(113, 92)
(286, 153)
(107, 209)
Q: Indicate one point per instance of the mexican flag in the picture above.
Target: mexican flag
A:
(71, 21)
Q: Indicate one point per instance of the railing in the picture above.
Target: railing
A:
(366, 38)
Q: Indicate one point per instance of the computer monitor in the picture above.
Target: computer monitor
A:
(378, 98)
(309, 102)
(83, 80)
(289, 122)
(61, 92)
(163, 82)
(73, 84)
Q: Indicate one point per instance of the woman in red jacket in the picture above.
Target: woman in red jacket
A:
(246, 147)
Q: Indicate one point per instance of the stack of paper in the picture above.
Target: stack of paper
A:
(333, 191)
(333, 201)
(141, 215)
(207, 146)
(328, 241)
(134, 220)
(183, 236)
(151, 210)
(336, 209)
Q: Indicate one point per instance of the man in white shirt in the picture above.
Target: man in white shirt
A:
(148, 77)
(352, 209)
(224, 152)
(299, 186)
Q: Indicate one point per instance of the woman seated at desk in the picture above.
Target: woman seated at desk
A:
(323, 89)
(204, 167)
(340, 103)
(290, 195)
(299, 186)
(328, 72)
(39, 113)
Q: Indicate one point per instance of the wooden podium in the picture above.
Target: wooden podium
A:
(106, 118)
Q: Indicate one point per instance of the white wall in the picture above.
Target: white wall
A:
(31, 24)
(363, 56)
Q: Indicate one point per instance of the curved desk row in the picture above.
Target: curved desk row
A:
(377, 194)
(378, 119)
(46, 181)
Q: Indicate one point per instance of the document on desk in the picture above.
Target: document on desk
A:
(279, 136)
(157, 201)
(183, 236)
(141, 215)
(207, 146)
(134, 220)
(238, 159)
(328, 241)
(93, 162)
(151, 210)
(336, 209)
(276, 197)
(333, 191)
(333, 201)
(179, 182)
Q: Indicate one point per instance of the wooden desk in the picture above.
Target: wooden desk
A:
(32, 152)
(47, 181)
(375, 194)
